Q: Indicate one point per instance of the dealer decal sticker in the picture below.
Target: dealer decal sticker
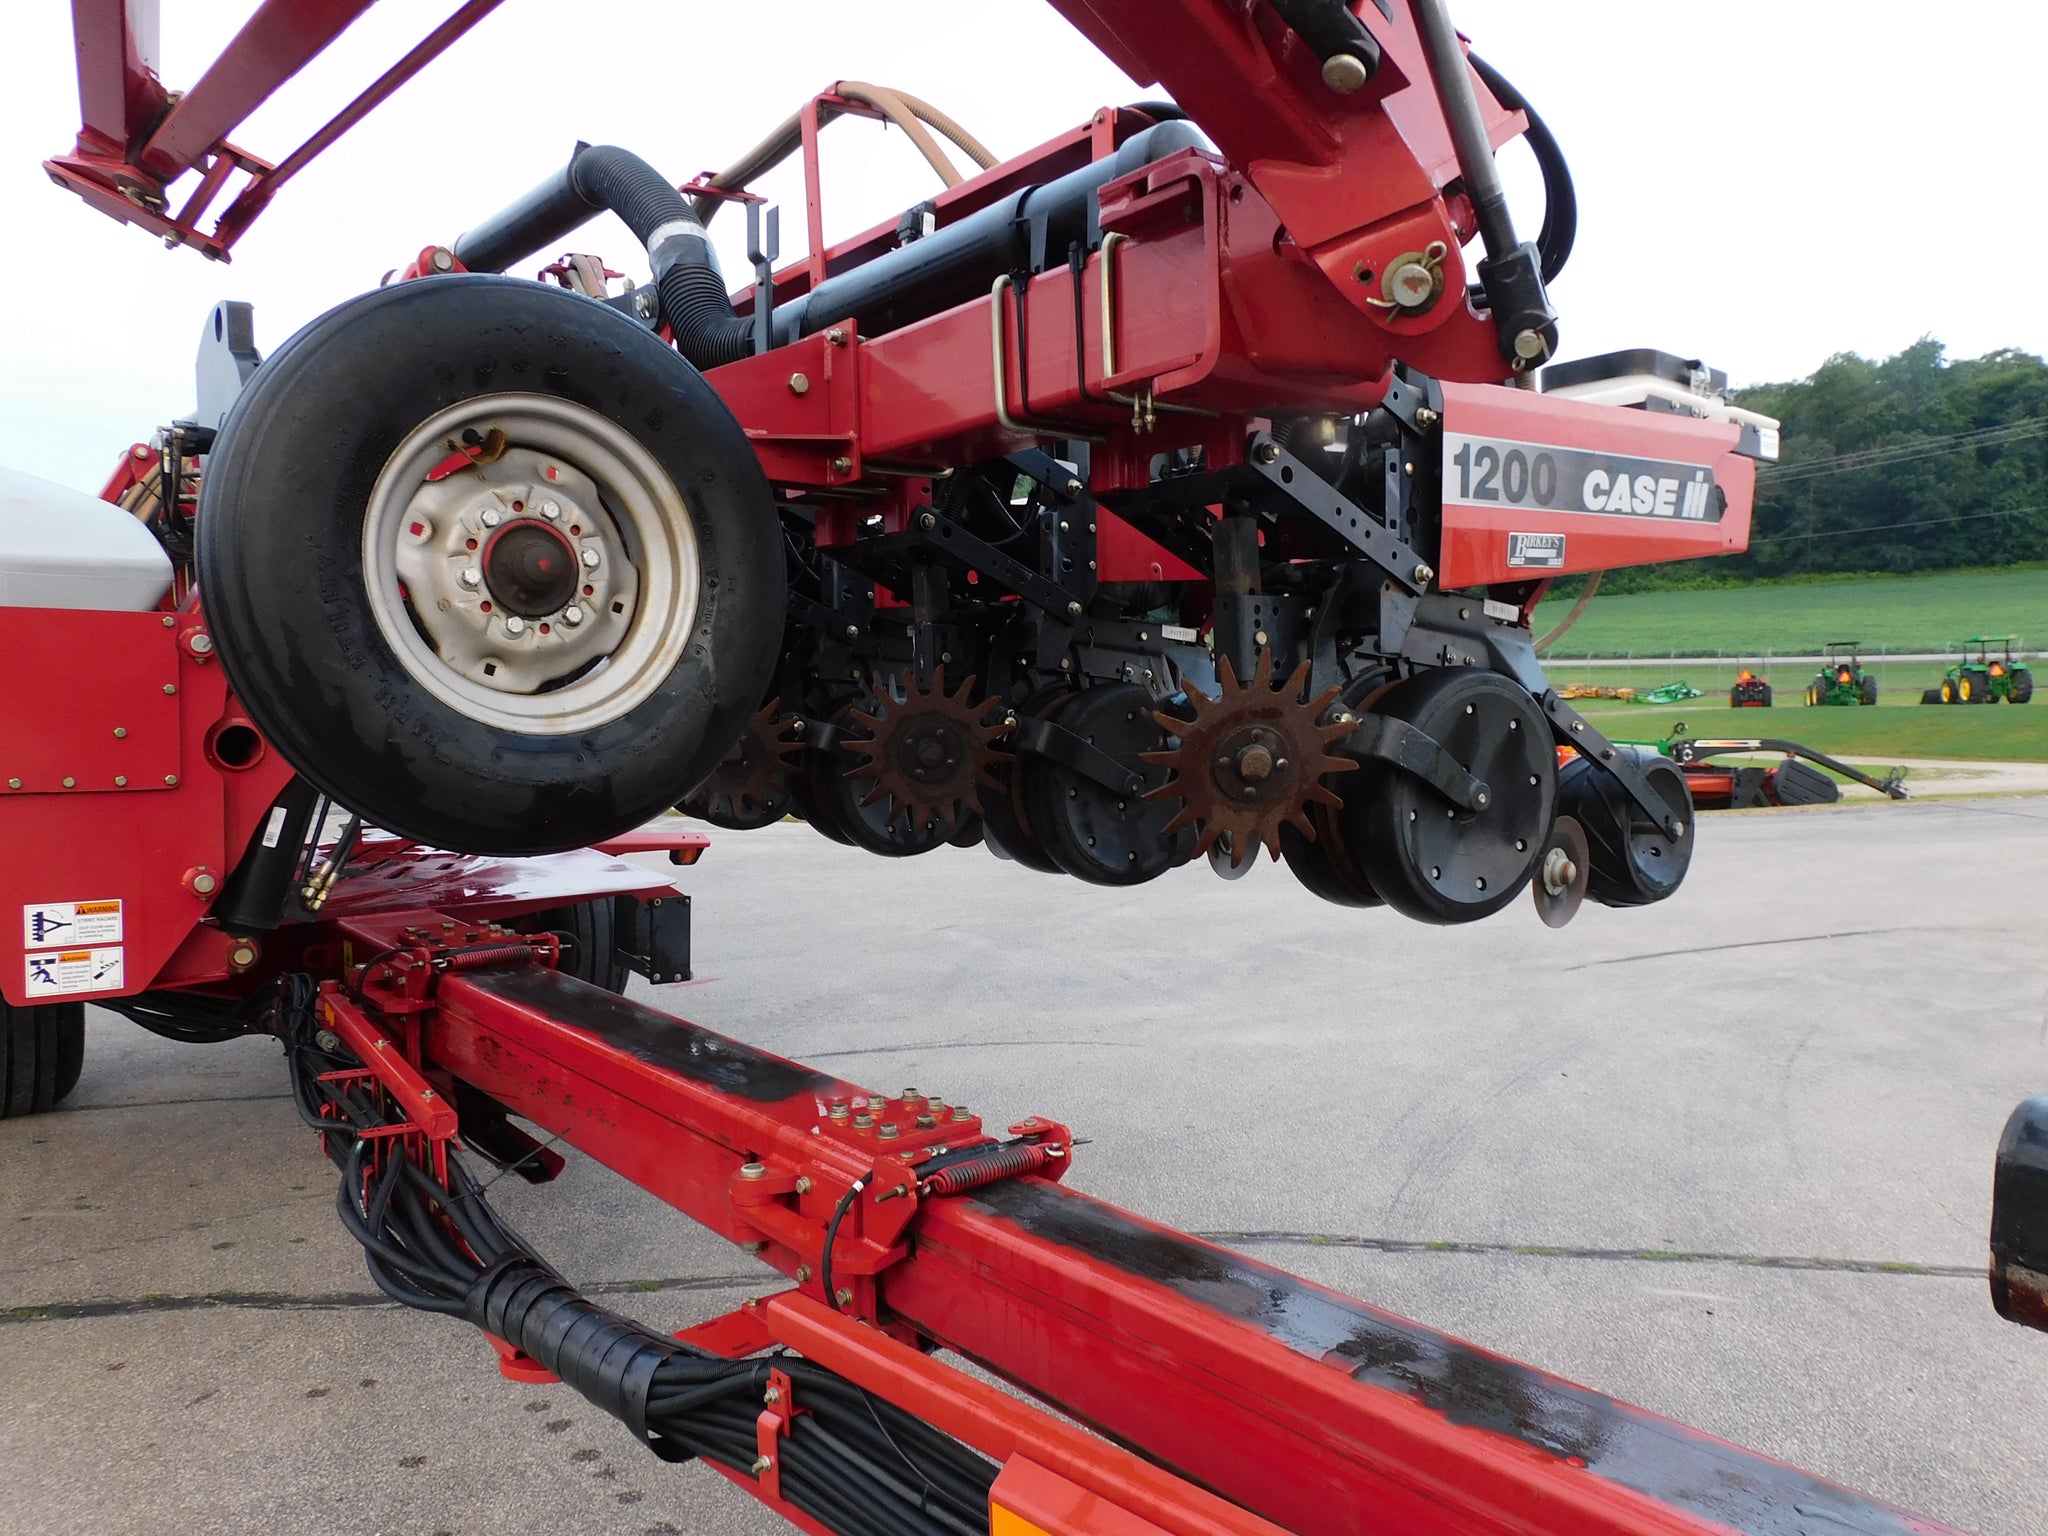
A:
(1536, 551)
(71, 923)
(1496, 472)
(67, 972)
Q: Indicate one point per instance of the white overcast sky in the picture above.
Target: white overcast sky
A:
(1760, 184)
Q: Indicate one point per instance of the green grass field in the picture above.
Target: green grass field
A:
(2012, 733)
(1895, 613)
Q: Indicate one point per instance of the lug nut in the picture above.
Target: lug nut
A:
(493, 517)
(551, 510)
(472, 577)
(590, 559)
(515, 625)
(572, 615)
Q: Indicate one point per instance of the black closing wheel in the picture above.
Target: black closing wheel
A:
(491, 564)
(1102, 835)
(1435, 861)
(42, 1053)
(1634, 861)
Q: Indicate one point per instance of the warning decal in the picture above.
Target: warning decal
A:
(66, 972)
(49, 923)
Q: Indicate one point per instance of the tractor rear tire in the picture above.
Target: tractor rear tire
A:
(589, 934)
(42, 1054)
(1869, 690)
(571, 684)
(2022, 685)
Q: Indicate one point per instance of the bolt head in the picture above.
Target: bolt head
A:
(1266, 453)
(1424, 573)
(1073, 610)
(472, 577)
(1344, 73)
(171, 780)
(201, 643)
(551, 510)
(799, 384)
(590, 559)
(14, 783)
(170, 687)
(836, 335)
(205, 883)
(120, 781)
(1074, 487)
(69, 782)
(492, 517)
(572, 615)
(443, 260)
(515, 625)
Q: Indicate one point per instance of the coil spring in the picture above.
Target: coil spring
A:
(1002, 1163)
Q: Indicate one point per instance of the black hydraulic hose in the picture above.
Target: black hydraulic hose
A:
(686, 275)
(832, 1236)
(1560, 198)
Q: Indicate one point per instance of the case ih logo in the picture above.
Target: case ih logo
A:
(1536, 551)
(1494, 472)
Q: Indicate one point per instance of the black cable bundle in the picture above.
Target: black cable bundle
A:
(855, 1464)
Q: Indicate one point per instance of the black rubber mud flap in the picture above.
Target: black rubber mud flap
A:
(283, 567)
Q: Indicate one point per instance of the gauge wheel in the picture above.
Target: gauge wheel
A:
(1428, 858)
(42, 1054)
(490, 564)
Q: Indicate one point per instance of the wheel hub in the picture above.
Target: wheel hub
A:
(529, 568)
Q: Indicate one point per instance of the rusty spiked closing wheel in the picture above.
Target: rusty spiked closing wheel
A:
(929, 756)
(1252, 760)
(491, 564)
(750, 787)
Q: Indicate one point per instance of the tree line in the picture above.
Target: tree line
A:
(1913, 463)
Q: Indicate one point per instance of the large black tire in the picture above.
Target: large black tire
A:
(590, 946)
(42, 1053)
(2022, 685)
(1869, 689)
(291, 483)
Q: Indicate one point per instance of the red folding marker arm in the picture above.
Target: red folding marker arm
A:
(1305, 1408)
(137, 139)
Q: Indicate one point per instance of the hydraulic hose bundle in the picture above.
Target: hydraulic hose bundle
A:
(851, 1462)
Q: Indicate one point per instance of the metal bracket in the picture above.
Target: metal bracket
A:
(1574, 730)
(928, 530)
(1400, 745)
(653, 935)
(1350, 522)
(1049, 739)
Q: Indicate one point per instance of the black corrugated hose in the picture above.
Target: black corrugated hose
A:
(686, 275)
(855, 1464)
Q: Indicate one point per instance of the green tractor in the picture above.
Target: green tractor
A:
(1843, 680)
(1984, 678)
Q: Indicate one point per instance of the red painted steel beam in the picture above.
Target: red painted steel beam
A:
(119, 95)
(282, 38)
(1312, 1409)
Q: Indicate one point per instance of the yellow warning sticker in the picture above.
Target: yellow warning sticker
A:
(45, 924)
(69, 972)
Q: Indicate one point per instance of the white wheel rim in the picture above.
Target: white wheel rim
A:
(614, 517)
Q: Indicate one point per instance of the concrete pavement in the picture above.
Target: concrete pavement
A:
(1749, 1131)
